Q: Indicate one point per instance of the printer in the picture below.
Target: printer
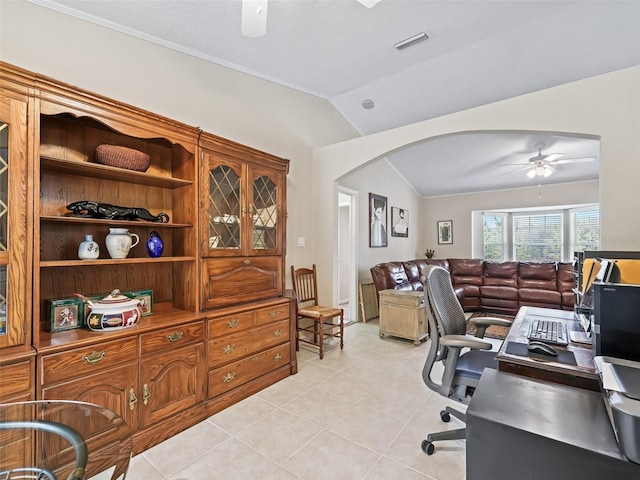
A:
(620, 384)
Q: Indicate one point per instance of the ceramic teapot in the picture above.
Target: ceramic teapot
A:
(113, 312)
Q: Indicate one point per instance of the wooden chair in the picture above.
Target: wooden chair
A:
(305, 285)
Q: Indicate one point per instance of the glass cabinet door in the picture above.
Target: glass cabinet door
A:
(13, 160)
(264, 211)
(225, 227)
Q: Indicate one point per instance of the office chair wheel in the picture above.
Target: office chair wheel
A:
(428, 447)
(444, 416)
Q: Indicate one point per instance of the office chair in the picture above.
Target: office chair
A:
(305, 286)
(462, 370)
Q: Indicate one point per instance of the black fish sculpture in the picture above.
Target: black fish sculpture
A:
(87, 208)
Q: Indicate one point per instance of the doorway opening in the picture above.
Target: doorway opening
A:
(347, 288)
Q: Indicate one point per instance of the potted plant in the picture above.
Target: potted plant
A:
(429, 253)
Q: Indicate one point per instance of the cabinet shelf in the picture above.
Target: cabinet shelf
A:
(101, 221)
(164, 315)
(112, 261)
(95, 170)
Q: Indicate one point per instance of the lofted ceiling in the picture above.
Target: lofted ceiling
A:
(477, 52)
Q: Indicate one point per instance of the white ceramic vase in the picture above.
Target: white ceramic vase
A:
(88, 250)
(120, 241)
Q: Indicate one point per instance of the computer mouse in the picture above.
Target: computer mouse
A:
(543, 348)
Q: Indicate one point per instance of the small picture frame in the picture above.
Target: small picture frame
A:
(146, 300)
(445, 232)
(399, 222)
(65, 314)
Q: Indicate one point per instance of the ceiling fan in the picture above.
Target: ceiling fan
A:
(254, 16)
(542, 165)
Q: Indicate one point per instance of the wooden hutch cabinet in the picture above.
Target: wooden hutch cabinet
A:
(218, 285)
(16, 355)
(243, 221)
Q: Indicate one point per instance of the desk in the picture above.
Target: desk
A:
(583, 375)
(507, 437)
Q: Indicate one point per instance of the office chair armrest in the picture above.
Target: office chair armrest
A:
(464, 341)
(482, 323)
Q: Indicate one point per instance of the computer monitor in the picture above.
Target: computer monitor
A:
(616, 320)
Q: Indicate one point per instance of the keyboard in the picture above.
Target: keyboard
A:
(549, 331)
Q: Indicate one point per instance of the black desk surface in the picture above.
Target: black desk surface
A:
(518, 427)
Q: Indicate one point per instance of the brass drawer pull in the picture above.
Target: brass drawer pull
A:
(132, 399)
(146, 394)
(228, 377)
(94, 357)
(227, 349)
(277, 333)
(175, 336)
(278, 357)
(247, 262)
(233, 323)
(274, 313)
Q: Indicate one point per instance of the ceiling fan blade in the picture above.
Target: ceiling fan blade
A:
(552, 157)
(254, 18)
(369, 3)
(573, 160)
(523, 167)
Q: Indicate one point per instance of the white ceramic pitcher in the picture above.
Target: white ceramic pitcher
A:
(120, 241)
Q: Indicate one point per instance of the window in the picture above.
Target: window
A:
(537, 238)
(546, 235)
(495, 236)
(585, 229)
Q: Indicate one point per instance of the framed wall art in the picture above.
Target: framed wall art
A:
(445, 232)
(399, 222)
(65, 314)
(378, 220)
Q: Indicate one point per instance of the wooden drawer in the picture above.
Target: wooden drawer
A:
(231, 324)
(232, 347)
(238, 373)
(16, 381)
(272, 314)
(170, 338)
(86, 360)
(228, 281)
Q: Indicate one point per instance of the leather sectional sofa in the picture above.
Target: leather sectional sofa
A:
(499, 287)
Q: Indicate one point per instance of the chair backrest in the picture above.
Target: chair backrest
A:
(446, 317)
(305, 285)
(443, 301)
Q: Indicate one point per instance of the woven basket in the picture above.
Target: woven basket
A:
(122, 157)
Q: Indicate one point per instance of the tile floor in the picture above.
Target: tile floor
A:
(360, 413)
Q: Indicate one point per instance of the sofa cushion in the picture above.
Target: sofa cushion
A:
(501, 273)
(566, 278)
(537, 275)
(390, 275)
(413, 271)
(440, 262)
(497, 291)
(539, 296)
(466, 271)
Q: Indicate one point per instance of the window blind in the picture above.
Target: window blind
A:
(494, 236)
(537, 238)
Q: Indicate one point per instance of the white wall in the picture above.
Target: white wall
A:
(382, 179)
(219, 100)
(607, 106)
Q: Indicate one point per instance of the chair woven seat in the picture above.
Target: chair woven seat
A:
(318, 310)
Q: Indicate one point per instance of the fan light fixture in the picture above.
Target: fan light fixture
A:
(540, 170)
